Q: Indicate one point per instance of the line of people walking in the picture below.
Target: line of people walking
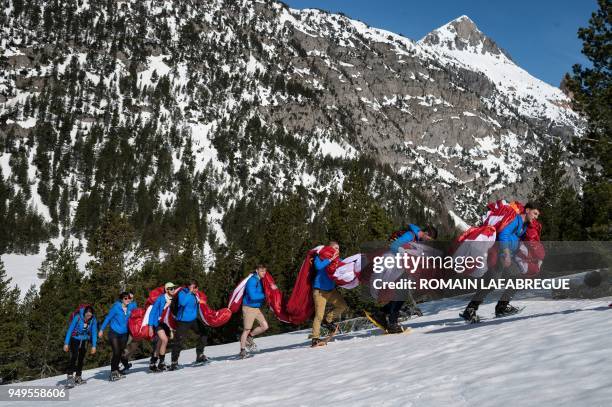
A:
(183, 305)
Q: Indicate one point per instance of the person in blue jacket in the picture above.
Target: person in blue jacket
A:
(117, 318)
(388, 315)
(130, 346)
(187, 319)
(160, 328)
(325, 291)
(252, 300)
(83, 329)
(508, 239)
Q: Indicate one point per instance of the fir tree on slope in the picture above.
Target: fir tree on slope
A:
(12, 356)
(59, 296)
(559, 203)
(592, 95)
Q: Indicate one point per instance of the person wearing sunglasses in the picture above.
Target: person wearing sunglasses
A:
(158, 327)
(117, 318)
(131, 345)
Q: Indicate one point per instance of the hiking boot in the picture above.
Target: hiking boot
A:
(173, 366)
(470, 315)
(116, 375)
(416, 311)
(316, 342)
(503, 308)
(78, 380)
(153, 364)
(381, 319)
(70, 382)
(395, 329)
(201, 359)
(161, 366)
(243, 354)
(250, 344)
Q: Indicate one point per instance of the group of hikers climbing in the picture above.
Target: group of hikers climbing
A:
(510, 230)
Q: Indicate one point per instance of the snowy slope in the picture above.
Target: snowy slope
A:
(553, 353)
(461, 42)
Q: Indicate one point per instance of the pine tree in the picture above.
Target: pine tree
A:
(12, 355)
(592, 95)
(561, 209)
(114, 251)
(59, 295)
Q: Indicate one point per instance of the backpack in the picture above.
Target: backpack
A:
(174, 303)
(77, 311)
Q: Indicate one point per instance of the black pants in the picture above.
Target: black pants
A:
(179, 336)
(78, 349)
(498, 271)
(392, 310)
(118, 343)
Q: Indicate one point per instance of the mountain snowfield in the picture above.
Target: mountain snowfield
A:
(556, 352)
(451, 113)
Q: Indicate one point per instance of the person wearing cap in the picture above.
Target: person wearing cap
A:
(253, 299)
(83, 329)
(117, 318)
(160, 328)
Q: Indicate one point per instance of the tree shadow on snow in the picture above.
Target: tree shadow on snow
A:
(463, 326)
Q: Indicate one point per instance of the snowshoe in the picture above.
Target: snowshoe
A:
(469, 315)
(503, 309)
(161, 367)
(250, 344)
(317, 342)
(395, 329)
(78, 380)
(243, 354)
(173, 366)
(116, 375)
(200, 360)
(329, 327)
(416, 311)
(153, 368)
(379, 319)
(70, 382)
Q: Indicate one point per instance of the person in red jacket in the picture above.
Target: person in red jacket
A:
(531, 252)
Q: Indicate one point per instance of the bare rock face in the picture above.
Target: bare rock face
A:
(462, 34)
(451, 113)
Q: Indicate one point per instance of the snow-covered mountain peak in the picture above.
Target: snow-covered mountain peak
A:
(462, 34)
(460, 42)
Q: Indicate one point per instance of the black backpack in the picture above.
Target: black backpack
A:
(174, 304)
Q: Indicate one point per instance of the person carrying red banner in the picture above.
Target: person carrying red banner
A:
(186, 310)
(159, 328)
(511, 222)
(325, 291)
(252, 300)
(531, 252)
(388, 315)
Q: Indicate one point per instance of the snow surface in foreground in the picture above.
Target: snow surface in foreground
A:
(555, 353)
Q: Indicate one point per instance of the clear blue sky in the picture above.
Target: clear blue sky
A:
(540, 35)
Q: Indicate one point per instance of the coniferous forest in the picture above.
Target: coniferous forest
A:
(121, 178)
